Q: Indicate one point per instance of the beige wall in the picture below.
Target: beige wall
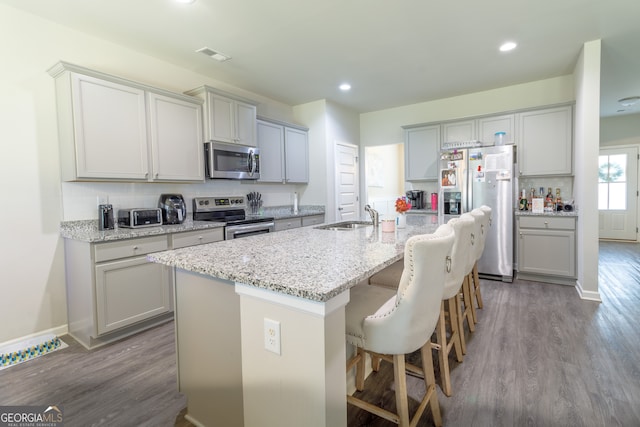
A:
(385, 126)
(31, 253)
(620, 130)
(586, 150)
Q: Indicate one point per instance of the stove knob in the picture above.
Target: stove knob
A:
(206, 202)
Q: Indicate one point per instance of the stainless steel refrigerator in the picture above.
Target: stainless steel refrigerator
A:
(474, 176)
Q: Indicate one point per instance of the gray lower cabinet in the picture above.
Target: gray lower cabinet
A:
(287, 223)
(547, 248)
(304, 221)
(129, 291)
(312, 220)
(113, 291)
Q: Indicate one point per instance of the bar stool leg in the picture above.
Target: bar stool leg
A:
(468, 304)
(402, 403)
(476, 285)
(471, 300)
(430, 383)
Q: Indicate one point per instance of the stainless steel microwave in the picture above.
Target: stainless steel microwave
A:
(231, 161)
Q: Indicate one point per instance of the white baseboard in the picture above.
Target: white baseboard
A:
(587, 295)
(57, 331)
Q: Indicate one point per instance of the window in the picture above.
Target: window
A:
(612, 182)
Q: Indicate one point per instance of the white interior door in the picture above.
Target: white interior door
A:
(618, 193)
(347, 185)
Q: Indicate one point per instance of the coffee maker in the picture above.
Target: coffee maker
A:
(416, 198)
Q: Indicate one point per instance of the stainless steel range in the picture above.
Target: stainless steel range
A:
(231, 210)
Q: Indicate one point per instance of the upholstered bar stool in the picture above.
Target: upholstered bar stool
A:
(466, 307)
(388, 324)
(450, 306)
(486, 225)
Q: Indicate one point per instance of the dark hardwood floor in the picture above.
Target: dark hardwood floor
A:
(540, 356)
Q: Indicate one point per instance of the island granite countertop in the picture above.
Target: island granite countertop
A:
(305, 262)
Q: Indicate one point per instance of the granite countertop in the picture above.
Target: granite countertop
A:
(284, 212)
(304, 262)
(562, 213)
(87, 230)
(421, 211)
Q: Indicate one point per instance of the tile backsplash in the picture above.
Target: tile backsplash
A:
(564, 183)
(80, 199)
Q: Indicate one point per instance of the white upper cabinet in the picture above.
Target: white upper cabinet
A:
(111, 129)
(106, 135)
(296, 155)
(482, 129)
(545, 141)
(271, 145)
(227, 118)
(284, 153)
(176, 139)
(421, 151)
(461, 131)
(488, 126)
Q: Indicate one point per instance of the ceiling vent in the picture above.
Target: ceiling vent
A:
(213, 54)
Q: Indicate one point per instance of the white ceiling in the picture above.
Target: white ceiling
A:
(393, 52)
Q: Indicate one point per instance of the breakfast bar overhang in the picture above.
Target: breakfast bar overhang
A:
(226, 292)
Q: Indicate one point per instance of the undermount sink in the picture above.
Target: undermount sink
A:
(345, 225)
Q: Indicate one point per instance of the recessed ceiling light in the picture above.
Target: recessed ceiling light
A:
(214, 54)
(345, 87)
(629, 101)
(506, 47)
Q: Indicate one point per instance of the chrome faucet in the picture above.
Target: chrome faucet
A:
(373, 213)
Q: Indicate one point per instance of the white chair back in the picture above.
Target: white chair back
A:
(406, 321)
(463, 228)
(486, 223)
(480, 228)
(475, 241)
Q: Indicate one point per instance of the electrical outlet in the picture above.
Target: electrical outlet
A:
(272, 335)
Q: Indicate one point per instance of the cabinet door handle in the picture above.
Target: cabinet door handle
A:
(135, 248)
(199, 237)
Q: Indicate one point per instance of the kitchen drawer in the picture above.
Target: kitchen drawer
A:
(197, 237)
(556, 223)
(130, 247)
(286, 224)
(312, 220)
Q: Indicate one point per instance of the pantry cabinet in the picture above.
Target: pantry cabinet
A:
(545, 141)
(112, 129)
(546, 248)
(228, 118)
(284, 153)
(421, 152)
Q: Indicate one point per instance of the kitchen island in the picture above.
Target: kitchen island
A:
(293, 287)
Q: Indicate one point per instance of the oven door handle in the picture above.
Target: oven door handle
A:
(239, 229)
